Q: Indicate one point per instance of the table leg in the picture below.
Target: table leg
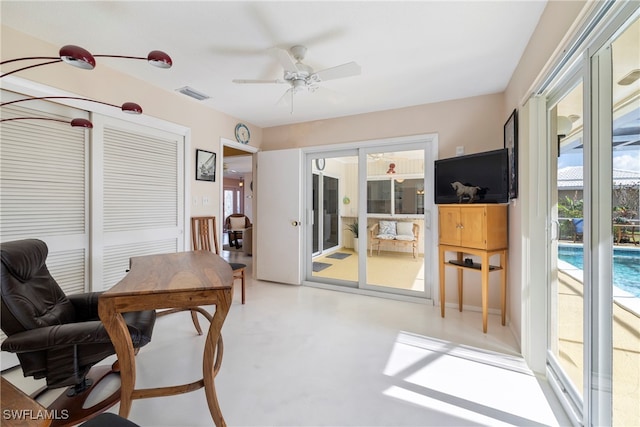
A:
(213, 357)
(441, 263)
(503, 265)
(460, 275)
(485, 290)
(119, 333)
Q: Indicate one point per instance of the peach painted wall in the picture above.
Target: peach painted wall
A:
(475, 123)
(207, 125)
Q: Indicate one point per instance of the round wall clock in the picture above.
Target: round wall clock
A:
(242, 133)
(320, 163)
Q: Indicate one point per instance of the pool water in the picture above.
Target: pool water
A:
(626, 266)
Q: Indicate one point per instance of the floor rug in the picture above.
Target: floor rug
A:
(319, 266)
(338, 255)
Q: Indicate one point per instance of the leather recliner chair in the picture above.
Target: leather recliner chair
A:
(55, 336)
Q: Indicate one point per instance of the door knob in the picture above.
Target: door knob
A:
(295, 223)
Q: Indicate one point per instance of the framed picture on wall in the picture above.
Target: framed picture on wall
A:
(511, 143)
(205, 165)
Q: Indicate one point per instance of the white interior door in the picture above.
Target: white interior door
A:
(278, 223)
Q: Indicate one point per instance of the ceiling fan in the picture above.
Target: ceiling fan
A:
(301, 77)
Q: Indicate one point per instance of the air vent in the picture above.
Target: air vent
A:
(193, 93)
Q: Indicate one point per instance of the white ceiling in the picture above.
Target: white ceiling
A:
(410, 52)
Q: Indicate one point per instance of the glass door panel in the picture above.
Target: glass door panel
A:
(395, 221)
(625, 185)
(330, 212)
(325, 190)
(566, 344)
(334, 203)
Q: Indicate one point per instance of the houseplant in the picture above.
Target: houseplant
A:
(353, 228)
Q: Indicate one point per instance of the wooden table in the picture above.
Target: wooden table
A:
(484, 268)
(178, 280)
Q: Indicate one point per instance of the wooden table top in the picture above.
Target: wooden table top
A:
(175, 272)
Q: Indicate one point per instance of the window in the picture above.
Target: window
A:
(395, 196)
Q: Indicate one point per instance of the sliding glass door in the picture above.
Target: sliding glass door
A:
(594, 292)
(366, 217)
(619, 63)
(566, 291)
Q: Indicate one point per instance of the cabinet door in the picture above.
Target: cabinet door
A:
(449, 225)
(472, 233)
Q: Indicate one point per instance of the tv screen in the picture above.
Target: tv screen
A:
(486, 174)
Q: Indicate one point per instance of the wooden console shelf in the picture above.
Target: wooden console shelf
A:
(476, 229)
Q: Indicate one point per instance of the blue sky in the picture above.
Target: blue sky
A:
(624, 160)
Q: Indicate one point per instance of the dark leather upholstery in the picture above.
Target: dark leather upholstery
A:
(47, 329)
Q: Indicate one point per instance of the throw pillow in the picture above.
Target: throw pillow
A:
(236, 223)
(388, 228)
(405, 229)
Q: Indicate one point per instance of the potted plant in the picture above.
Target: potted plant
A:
(353, 228)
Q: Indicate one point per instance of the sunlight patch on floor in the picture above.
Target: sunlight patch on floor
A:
(466, 381)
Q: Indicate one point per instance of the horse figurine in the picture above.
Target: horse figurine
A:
(462, 190)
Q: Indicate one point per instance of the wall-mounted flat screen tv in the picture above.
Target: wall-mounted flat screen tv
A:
(488, 172)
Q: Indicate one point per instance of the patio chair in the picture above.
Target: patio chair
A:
(578, 228)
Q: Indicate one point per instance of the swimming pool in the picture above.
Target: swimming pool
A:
(626, 266)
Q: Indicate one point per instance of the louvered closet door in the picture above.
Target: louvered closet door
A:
(43, 186)
(139, 188)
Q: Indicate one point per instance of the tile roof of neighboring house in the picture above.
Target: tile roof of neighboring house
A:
(570, 178)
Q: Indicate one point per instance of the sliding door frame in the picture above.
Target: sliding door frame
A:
(428, 142)
(592, 50)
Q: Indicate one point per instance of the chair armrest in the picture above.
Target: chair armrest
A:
(51, 337)
(85, 305)
(374, 230)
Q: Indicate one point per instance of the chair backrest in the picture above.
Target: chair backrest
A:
(30, 297)
(578, 224)
(204, 234)
(227, 221)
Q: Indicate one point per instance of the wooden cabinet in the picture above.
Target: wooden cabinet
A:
(474, 226)
(480, 230)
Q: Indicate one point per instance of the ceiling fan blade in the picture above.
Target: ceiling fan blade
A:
(345, 70)
(285, 99)
(250, 81)
(286, 60)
